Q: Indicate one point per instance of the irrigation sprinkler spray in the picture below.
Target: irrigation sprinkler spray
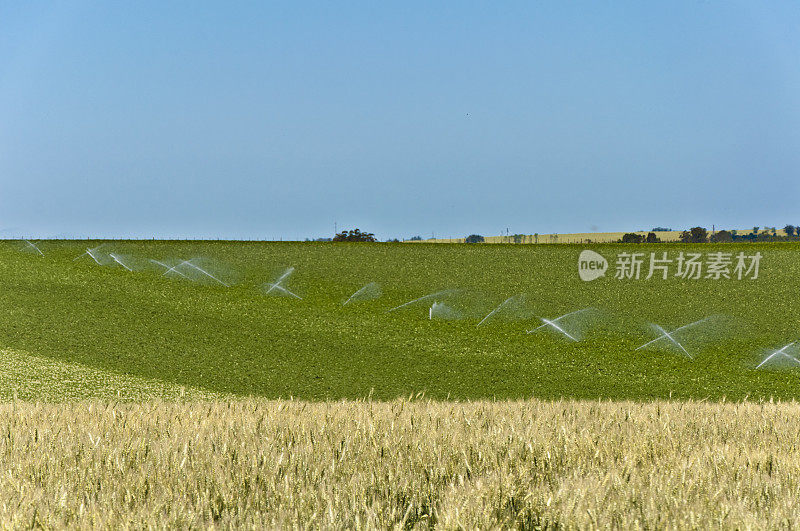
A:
(670, 335)
(90, 253)
(424, 297)
(282, 290)
(442, 311)
(168, 268)
(501, 305)
(34, 247)
(368, 292)
(117, 260)
(277, 283)
(174, 269)
(206, 273)
(674, 341)
(781, 352)
(553, 323)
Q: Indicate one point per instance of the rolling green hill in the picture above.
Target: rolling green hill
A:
(237, 339)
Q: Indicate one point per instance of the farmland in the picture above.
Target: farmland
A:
(523, 464)
(241, 341)
(294, 385)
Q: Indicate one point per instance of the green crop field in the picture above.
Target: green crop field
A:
(168, 333)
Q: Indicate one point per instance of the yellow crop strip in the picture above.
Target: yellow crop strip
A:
(361, 464)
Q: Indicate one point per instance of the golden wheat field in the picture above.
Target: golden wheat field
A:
(407, 463)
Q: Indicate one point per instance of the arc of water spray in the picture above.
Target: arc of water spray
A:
(91, 254)
(34, 246)
(117, 260)
(174, 268)
(666, 335)
(782, 353)
(552, 323)
(206, 273)
(277, 283)
(281, 288)
(356, 293)
(429, 296)
(168, 268)
(494, 311)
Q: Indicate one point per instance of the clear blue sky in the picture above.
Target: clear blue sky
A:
(277, 119)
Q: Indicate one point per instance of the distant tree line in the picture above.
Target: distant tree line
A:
(701, 235)
(693, 235)
(632, 237)
(758, 234)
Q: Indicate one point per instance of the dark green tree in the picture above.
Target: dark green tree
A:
(722, 236)
(694, 235)
(632, 237)
(354, 236)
